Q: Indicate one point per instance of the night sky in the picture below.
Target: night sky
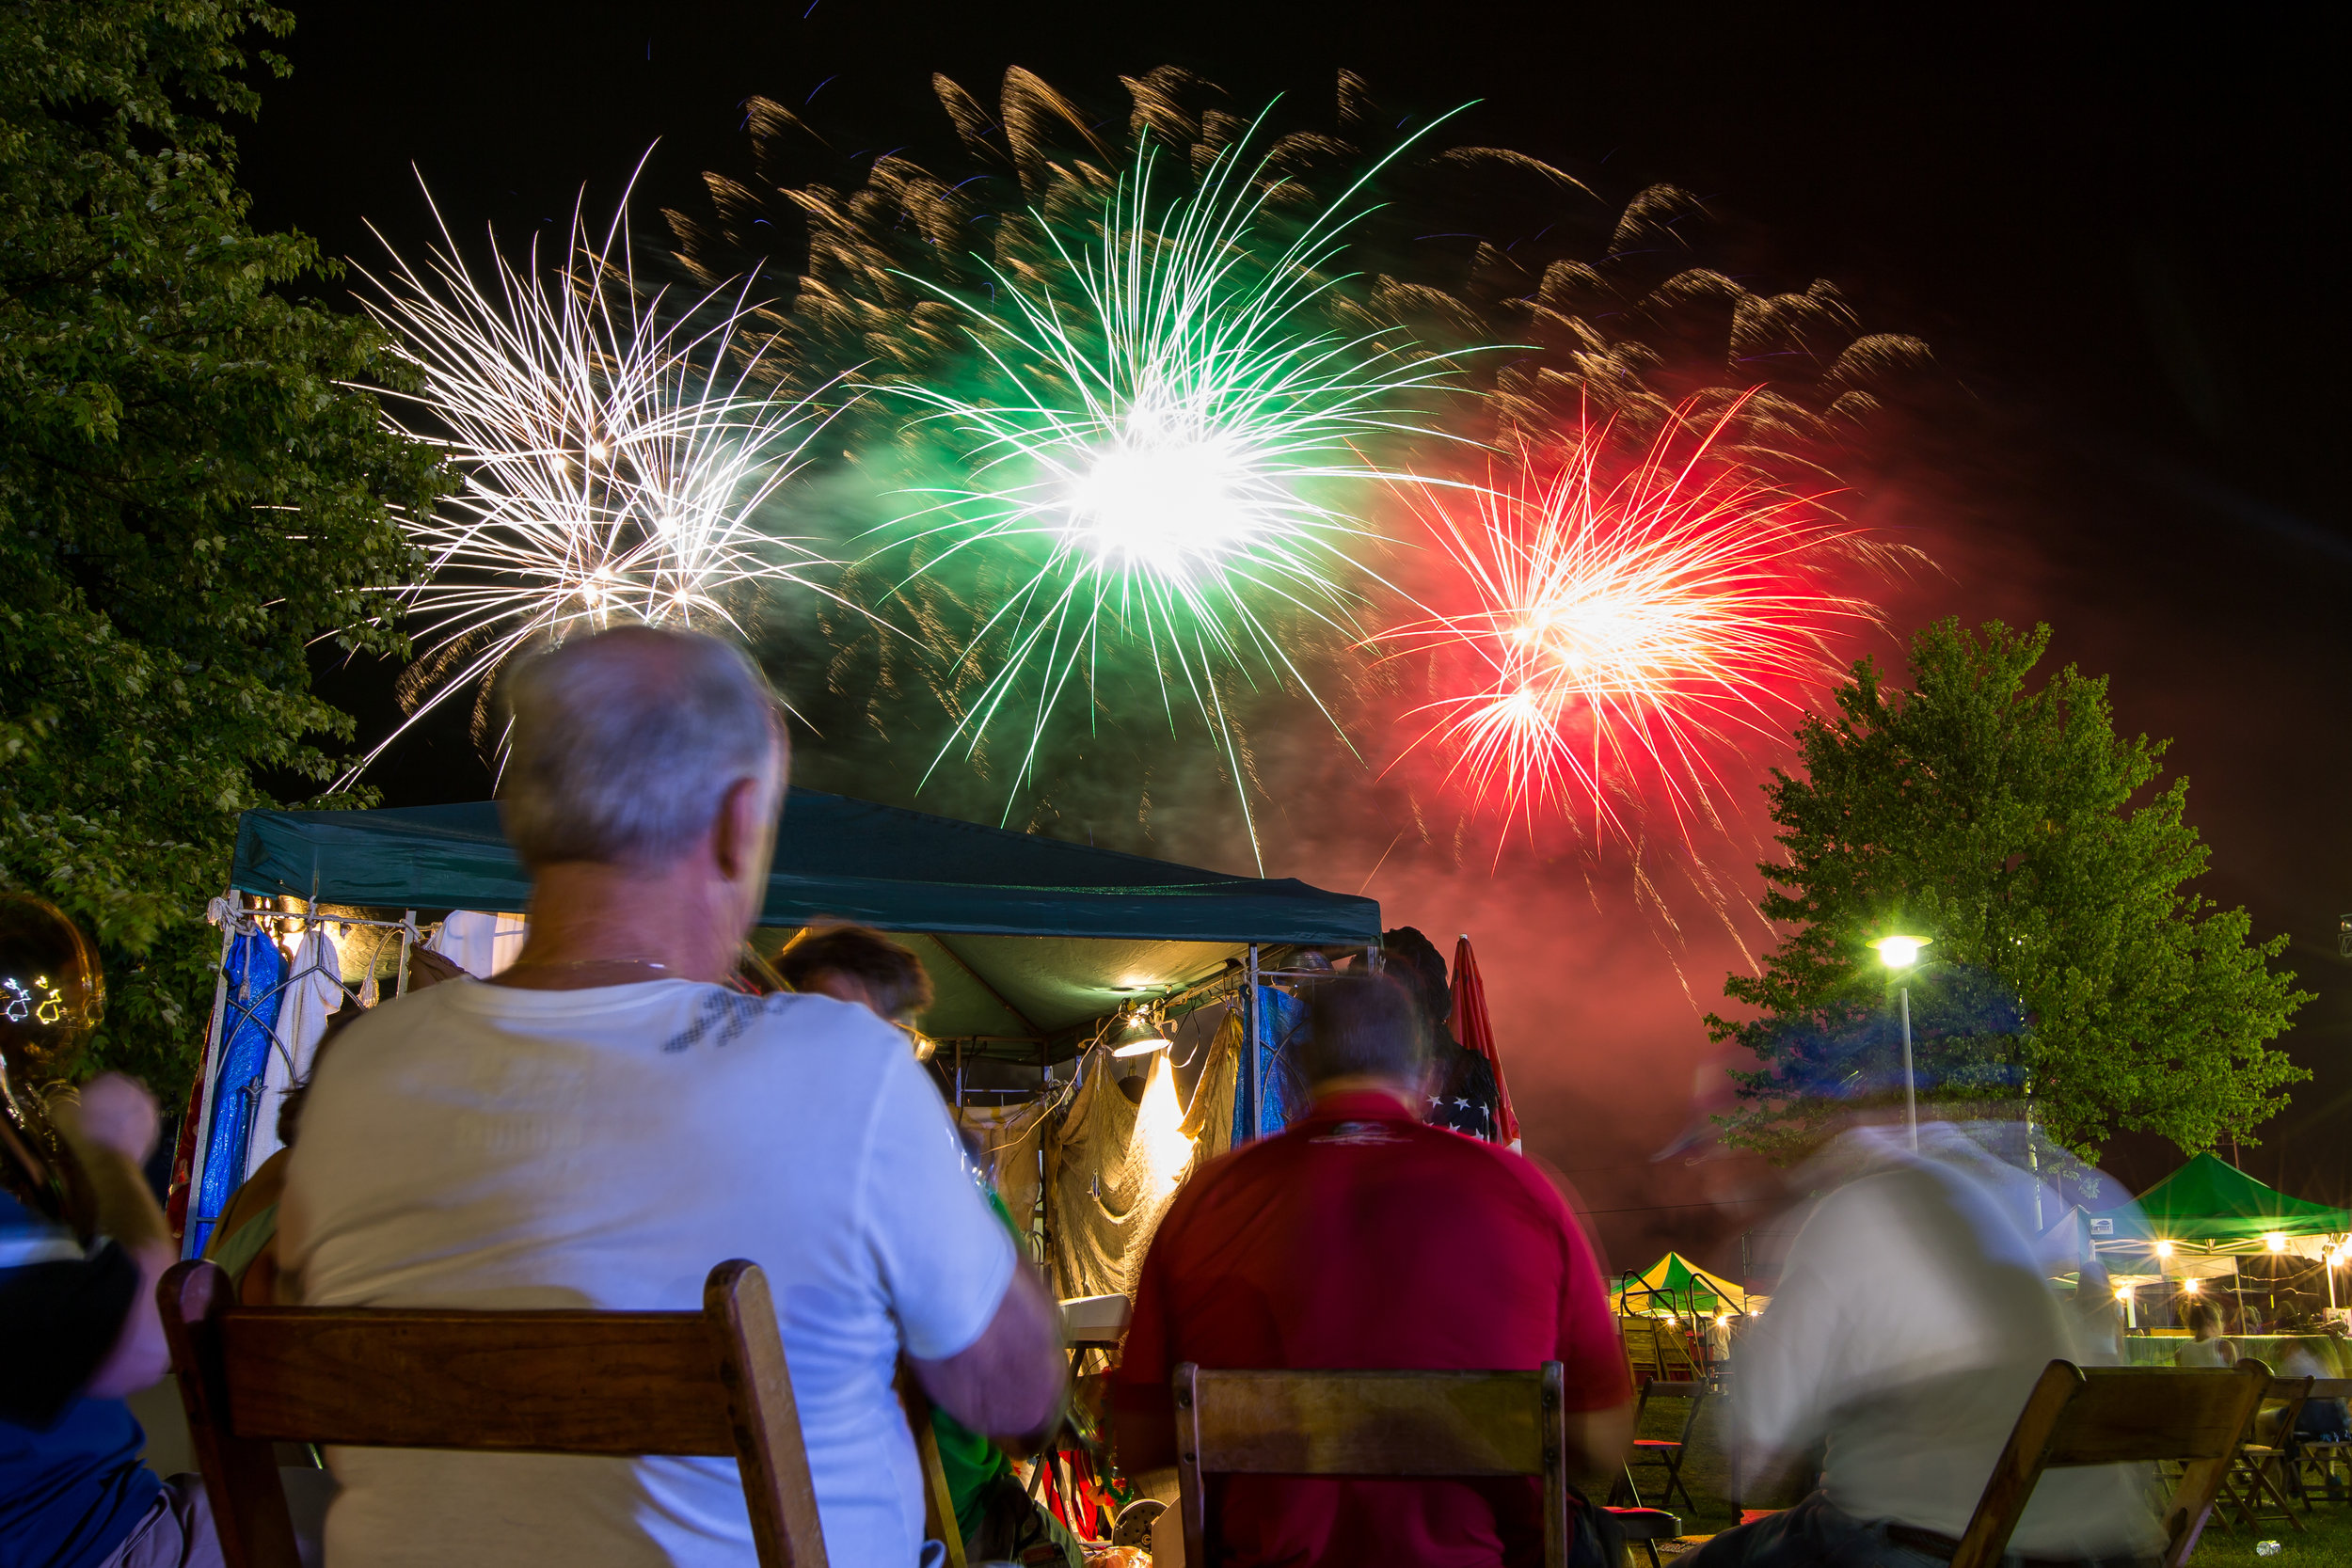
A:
(2118, 234)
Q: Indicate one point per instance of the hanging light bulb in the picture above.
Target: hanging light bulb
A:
(1140, 1036)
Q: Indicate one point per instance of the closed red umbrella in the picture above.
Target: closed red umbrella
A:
(1476, 1034)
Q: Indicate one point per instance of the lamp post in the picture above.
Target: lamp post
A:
(1899, 953)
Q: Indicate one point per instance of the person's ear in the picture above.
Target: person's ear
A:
(741, 835)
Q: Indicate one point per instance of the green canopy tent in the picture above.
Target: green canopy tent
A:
(1028, 939)
(2210, 1207)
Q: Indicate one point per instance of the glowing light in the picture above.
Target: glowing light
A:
(1625, 622)
(1172, 444)
(1900, 951)
(2123, 1292)
(1160, 1129)
(2190, 1284)
(2275, 1241)
(660, 523)
(2164, 1250)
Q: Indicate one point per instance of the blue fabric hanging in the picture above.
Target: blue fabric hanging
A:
(1280, 1096)
(257, 972)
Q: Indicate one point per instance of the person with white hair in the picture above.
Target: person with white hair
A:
(606, 1120)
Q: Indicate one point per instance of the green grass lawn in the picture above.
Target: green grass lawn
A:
(2325, 1541)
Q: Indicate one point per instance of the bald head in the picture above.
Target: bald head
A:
(625, 743)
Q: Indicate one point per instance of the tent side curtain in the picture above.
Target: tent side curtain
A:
(835, 859)
(2210, 1202)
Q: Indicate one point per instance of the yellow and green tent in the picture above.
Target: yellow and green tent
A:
(1675, 1284)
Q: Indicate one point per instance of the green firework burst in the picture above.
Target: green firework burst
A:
(1169, 432)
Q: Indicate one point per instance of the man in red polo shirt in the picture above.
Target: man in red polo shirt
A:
(1361, 1238)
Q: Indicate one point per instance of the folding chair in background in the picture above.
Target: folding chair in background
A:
(2118, 1416)
(1667, 1454)
(2256, 1483)
(613, 1384)
(2324, 1459)
(1438, 1425)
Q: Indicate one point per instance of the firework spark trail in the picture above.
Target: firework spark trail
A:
(1170, 426)
(1624, 626)
(611, 466)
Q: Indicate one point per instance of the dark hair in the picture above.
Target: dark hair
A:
(1361, 1024)
(891, 977)
(2198, 1315)
(1414, 960)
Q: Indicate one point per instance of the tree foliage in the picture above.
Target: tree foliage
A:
(191, 492)
(2015, 830)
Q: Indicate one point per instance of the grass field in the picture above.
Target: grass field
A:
(2325, 1541)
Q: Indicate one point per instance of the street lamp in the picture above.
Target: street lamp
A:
(1899, 953)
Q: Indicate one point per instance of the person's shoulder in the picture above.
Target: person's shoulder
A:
(807, 1029)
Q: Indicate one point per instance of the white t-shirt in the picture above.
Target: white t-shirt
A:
(1912, 1320)
(477, 1146)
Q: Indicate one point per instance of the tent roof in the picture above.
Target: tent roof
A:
(1679, 1276)
(2213, 1202)
(1026, 935)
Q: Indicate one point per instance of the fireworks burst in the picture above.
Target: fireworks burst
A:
(1175, 439)
(615, 449)
(1626, 626)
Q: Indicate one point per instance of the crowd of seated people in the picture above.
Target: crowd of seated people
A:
(601, 1122)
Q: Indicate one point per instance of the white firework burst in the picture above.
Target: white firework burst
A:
(616, 449)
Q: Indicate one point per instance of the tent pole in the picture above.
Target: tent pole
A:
(205, 1068)
(959, 1076)
(1249, 1086)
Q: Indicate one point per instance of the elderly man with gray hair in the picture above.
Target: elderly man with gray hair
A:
(605, 1121)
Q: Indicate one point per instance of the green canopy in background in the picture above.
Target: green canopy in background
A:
(2212, 1205)
(1025, 937)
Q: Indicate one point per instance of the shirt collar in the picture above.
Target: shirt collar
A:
(1361, 1105)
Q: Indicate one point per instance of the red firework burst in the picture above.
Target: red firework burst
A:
(1630, 620)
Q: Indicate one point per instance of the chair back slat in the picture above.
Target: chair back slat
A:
(2331, 1388)
(1370, 1423)
(515, 1380)
(2122, 1416)
(1433, 1424)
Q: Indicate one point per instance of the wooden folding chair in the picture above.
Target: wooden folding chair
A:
(1453, 1425)
(2118, 1416)
(613, 1384)
(1667, 1454)
(2254, 1485)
